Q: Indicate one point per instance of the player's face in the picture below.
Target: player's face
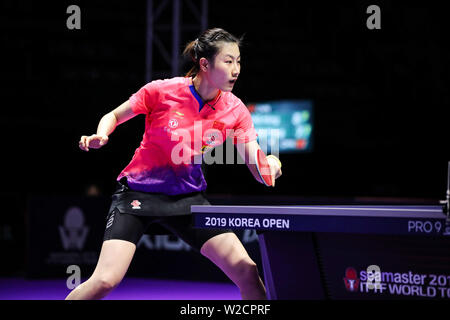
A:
(226, 67)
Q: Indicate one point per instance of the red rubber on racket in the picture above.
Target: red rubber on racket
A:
(262, 165)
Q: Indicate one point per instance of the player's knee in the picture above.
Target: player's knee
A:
(106, 283)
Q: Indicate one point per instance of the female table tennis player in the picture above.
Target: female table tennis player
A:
(156, 187)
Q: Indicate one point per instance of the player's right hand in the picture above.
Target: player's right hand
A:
(94, 141)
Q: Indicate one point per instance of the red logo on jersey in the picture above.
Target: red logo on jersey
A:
(173, 123)
(136, 204)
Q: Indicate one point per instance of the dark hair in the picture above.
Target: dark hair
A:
(207, 45)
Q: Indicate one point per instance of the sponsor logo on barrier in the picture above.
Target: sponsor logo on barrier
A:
(73, 233)
(171, 243)
(409, 284)
(351, 280)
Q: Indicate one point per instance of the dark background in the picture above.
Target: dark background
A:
(381, 97)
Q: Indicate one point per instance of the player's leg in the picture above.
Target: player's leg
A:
(122, 233)
(115, 258)
(227, 252)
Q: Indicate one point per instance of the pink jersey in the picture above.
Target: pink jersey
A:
(179, 129)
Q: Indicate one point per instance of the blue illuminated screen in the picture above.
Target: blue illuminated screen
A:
(283, 126)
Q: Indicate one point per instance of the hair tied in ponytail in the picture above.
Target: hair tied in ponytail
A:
(195, 50)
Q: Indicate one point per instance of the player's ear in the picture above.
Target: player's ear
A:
(204, 64)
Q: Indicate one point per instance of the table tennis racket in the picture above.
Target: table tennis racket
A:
(263, 167)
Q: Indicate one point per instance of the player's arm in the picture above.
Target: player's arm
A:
(106, 126)
(247, 152)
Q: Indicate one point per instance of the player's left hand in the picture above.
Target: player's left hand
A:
(275, 167)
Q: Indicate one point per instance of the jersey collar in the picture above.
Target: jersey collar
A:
(199, 99)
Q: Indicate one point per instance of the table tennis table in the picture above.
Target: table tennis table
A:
(313, 251)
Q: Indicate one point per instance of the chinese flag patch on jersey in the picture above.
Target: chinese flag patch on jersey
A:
(218, 125)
